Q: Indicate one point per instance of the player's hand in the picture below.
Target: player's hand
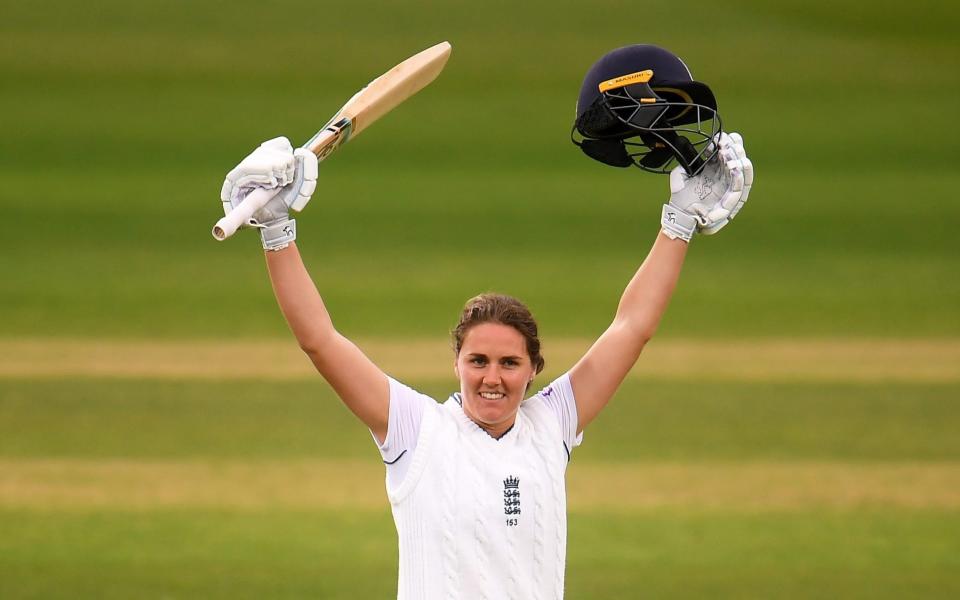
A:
(274, 165)
(706, 202)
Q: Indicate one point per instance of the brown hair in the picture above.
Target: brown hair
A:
(506, 310)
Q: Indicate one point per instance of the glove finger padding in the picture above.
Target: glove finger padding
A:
(305, 180)
(297, 193)
(731, 179)
(747, 175)
(270, 165)
(747, 167)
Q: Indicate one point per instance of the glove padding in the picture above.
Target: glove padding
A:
(737, 140)
(273, 165)
(708, 201)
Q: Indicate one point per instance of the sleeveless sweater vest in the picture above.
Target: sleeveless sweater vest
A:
(483, 518)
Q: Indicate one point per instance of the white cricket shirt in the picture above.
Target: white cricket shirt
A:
(478, 517)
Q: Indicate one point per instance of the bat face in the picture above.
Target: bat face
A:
(379, 97)
(396, 85)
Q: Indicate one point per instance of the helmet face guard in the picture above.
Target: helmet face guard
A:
(640, 119)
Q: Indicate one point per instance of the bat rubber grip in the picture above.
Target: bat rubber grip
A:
(239, 216)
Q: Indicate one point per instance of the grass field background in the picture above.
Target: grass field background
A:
(792, 434)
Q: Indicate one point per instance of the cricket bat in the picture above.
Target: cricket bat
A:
(379, 97)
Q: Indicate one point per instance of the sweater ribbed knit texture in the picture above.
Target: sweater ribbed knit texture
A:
(483, 518)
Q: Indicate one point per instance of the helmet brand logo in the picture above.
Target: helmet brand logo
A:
(625, 80)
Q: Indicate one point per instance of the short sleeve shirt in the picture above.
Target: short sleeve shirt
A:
(406, 412)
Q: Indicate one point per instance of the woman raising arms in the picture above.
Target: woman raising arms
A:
(476, 483)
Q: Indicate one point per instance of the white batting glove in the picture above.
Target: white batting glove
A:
(706, 202)
(737, 140)
(273, 165)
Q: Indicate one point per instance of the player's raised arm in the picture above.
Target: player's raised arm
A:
(292, 175)
(640, 106)
(703, 203)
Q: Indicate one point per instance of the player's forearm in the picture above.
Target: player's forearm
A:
(647, 295)
(299, 299)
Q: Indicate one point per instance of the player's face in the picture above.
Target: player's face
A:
(494, 370)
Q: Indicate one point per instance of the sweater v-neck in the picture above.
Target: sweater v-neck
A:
(508, 436)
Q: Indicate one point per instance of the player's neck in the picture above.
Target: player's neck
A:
(498, 430)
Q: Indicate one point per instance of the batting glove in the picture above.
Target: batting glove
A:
(274, 165)
(706, 202)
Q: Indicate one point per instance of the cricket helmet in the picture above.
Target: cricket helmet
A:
(639, 105)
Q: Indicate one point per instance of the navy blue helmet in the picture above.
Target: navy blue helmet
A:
(639, 105)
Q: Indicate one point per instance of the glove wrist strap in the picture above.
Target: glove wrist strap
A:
(677, 224)
(277, 235)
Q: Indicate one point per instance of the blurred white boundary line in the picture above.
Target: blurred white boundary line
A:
(743, 486)
(808, 360)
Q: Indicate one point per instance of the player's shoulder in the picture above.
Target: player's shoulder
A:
(404, 394)
(400, 388)
(555, 399)
(547, 398)
(559, 388)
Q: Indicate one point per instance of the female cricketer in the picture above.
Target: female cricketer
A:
(476, 483)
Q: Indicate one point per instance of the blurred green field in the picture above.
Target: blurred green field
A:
(204, 554)
(166, 536)
(121, 119)
(649, 420)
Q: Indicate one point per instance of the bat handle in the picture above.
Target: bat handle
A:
(241, 215)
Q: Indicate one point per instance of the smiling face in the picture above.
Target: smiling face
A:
(494, 371)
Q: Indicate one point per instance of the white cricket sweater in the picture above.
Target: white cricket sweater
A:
(483, 518)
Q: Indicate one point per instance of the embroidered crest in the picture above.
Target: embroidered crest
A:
(511, 499)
